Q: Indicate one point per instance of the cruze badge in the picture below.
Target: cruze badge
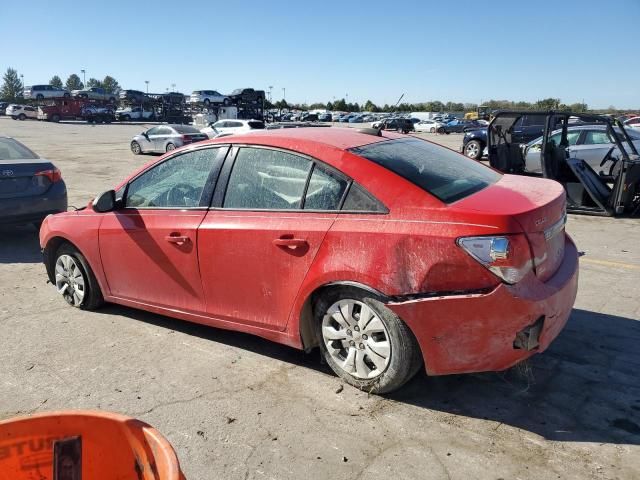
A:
(6, 173)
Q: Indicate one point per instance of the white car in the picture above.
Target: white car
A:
(222, 128)
(40, 92)
(208, 96)
(427, 126)
(133, 113)
(22, 112)
(632, 122)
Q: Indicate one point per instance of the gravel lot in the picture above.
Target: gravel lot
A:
(238, 407)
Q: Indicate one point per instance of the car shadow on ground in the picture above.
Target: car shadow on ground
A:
(19, 244)
(584, 388)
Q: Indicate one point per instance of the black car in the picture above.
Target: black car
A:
(244, 95)
(527, 128)
(3, 107)
(404, 125)
(459, 126)
(133, 96)
(30, 187)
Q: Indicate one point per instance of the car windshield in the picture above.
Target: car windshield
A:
(10, 149)
(444, 173)
(185, 129)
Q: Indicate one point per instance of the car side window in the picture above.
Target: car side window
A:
(596, 137)
(267, 179)
(180, 181)
(359, 200)
(153, 131)
(325, 190)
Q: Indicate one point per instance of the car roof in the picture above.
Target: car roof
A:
(342, 138)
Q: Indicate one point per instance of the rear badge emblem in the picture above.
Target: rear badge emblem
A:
(540, 221)
(6, 173)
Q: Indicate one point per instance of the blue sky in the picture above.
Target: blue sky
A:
(452, 50)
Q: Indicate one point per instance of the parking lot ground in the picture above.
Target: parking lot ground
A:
(238, 407)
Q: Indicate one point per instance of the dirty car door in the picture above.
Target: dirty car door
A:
(149, 247)
(257, 247)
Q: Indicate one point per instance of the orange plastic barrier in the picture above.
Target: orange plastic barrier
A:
(84, 445)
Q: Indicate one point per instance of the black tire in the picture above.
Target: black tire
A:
(206, 101)
(55, 118)
(226, 102)
(112, 100)
(126, 118)
(135, 148)
(405, 356)
(22, 117)
(66, 95)
(39, 97)
(441, 130)
(170, 147)
(473, 149)
(93, 298)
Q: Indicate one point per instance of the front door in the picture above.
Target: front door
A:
(256, 250)
(149, 248)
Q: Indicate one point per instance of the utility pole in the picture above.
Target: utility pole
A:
(173, 87)
(147, 82)
(270, 88)
(84, 78)
(284, 96)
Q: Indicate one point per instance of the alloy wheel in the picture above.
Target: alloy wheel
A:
(472, 150)
(356, 339)
(70, 281)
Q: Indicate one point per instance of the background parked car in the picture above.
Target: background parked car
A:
(231, 127)
(40, 92)
(459, 126)
(246, 95)
(403, 125)
(21, 112)
(134, 113)
(208, 96)
(95, 93)
(164, 138)
(30, 187)
(324, 117)
(590, 143)
(132, 95)
(3, 108)
(427, 126)
(474, 143)
(633, 122)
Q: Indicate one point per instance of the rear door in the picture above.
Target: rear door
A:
(149, 248)
(257, 245)
(593, 147)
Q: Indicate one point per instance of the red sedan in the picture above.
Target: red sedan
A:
(387, 251)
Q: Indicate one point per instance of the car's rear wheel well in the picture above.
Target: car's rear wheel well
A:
(307, 315)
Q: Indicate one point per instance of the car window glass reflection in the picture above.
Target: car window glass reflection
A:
(178, 182)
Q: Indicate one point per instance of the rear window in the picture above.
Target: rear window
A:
(257, 125)
(443, 173)
(185, 129)
(13, 150)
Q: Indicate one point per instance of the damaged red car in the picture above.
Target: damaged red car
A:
(386, 251)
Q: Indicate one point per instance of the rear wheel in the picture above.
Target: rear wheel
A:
(364, 342)
(135, 148)
(441, 130)
(55, 118)
(22, 116)
(39, 97)
(75, 280)
(170, 147)
(206, 101)
(126, 118)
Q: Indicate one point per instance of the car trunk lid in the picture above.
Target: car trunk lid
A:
(21, 179)
(539, 208)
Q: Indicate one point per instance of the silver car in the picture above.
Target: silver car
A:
(590, 143)
(164, 138)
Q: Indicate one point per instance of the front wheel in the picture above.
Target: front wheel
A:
(170, 147)
(135, 148)
(22, 116)
(364, 342)
(75, 280)
(473, 150)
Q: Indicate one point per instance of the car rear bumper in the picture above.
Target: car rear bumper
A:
(496, 330)
(24, 210)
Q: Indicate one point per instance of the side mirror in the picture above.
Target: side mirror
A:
(105, 202)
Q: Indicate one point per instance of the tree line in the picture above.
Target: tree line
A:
(12, 88)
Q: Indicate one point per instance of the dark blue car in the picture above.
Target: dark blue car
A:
(30, 187)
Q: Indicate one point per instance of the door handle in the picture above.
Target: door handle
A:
(177, 239)
(291, 243)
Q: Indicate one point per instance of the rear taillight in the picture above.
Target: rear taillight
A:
(54, 175)
(506, 256)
